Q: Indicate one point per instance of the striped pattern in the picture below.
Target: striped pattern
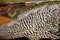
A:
(34, 24)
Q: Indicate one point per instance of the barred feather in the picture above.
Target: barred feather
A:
(35, 24)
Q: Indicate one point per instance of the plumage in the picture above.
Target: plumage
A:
(35, 24)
